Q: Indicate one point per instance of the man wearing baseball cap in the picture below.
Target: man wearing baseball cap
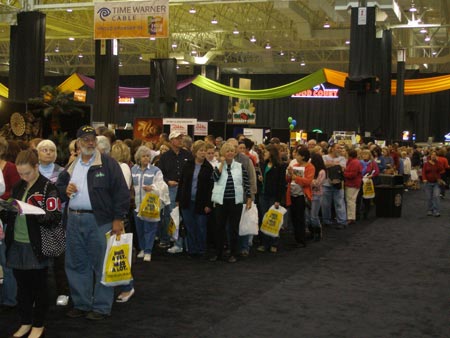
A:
(98, 200)
(171, 164)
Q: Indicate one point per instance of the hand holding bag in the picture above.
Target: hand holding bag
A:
(249, 221)
(272, 221)
(117, 261)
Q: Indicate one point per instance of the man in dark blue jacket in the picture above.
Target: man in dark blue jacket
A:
(98, 200)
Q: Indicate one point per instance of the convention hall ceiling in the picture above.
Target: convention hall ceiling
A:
(294, 30)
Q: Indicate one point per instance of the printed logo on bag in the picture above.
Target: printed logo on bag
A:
(120, 262)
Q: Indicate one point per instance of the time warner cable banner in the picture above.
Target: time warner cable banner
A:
(131, 19)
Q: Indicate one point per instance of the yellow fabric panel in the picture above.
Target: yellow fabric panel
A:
(423, 86)
(334, 77)
(71, 83)
(4, 91)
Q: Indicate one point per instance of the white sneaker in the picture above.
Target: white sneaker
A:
(62, 300)
(175, 249)
(147, 257)
(140, 254)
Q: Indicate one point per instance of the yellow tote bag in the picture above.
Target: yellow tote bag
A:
(272, 221)
(117, 261)
(149, 210)
(368, 188)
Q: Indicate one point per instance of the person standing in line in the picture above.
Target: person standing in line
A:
(98, 202)
(47, 167)
(24, 245)
(312, 214)
(334, 193)
(171, 164)
(231, 190)
(299, 178)
(431, 176)
(194, 198)
(352, 183)
(272, 180)
(10, 177)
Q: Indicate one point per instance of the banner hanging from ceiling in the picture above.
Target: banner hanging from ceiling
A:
(131, 19)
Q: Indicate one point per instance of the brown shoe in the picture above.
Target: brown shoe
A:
(76, 313)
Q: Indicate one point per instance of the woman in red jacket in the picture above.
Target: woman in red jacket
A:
(352, 184)
(431, 176)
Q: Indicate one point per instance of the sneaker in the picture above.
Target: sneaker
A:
(147, 257)
(437, 214)
(164, 245)
(273, 249)
(62, 300)
(244, 253)
(261, 248)
(175, 249)
(140, 254)
(76, 313)
(124, 299)
(429, 213)
(232, 259)
(96, 316)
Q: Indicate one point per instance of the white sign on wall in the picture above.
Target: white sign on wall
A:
(201, 129)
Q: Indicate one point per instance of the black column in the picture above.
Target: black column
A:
(106, 106)
(399, 101)
(385, 75)
(163, 87)
(26, 56)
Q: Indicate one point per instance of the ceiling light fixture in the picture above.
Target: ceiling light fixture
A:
(57, 49)
(174, 45)
(71, 38)
(214, 20)
(80, 55)
(69, 10)
(120, 64)
(192, 10)
(302, 63)
(293, 58)
(194, 52)
(267, 46)
(427, 38)
(140, 57)
(236, 31)
(281, 53)
(347, 42)
(46, 58)
(152, 38)
(326, 24)
(423, 31)
(253, 39)
(413, 8)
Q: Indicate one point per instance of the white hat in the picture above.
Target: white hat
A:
(174, 134)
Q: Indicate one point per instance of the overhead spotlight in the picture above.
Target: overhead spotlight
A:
(140, 57)
(194, 52)
(427, 38)
(302, 63)
(71, 38)
(120, 64)
(214, 20)
(178, 67)
(434, 53)
(326, 24)
(293, 58)
(57, 49)
(192, 10)
(235, 31)
(347, 42)
(281, 53)
(413, 8)
(46, 58)
(423, 31)
(152, 38)
(267, 46)
(253, 39)
(69, 10)
(174, 45)
(80, 55)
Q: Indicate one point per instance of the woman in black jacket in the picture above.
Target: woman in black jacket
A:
(272, 178)
(194, 197)
(24, 245)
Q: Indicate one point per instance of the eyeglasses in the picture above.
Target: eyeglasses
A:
(47, 150)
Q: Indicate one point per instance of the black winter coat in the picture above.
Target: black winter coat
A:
(205, 186)
(35, 196)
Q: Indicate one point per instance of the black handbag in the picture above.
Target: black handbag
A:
(53, 238)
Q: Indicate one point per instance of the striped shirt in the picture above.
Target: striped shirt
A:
(229, 193)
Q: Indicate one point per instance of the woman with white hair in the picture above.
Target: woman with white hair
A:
(103, 144)
(47, 154)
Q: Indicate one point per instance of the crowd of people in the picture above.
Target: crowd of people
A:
(101, 187)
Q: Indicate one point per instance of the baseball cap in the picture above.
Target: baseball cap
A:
(86, 130)
(174, 134)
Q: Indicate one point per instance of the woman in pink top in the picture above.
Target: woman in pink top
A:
(312, 214)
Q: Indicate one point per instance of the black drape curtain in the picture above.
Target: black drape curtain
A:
(27, 52)
(163, 86)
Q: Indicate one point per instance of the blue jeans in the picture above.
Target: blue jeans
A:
(195, 229)
(336, 196)
(9, 288)
(85, 251)
(146, 232)
(432, 190)
(265, 202)
(312, 215)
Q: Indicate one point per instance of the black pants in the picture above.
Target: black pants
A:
(229, 213)
(298, 217)
(62, 285)
(32, 296)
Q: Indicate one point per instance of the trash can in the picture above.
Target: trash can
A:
(389, 200)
